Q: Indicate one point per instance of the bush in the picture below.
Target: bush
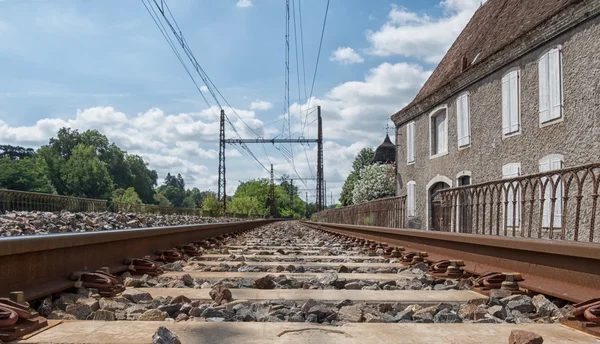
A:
(368, 221)
(375, 182)
(212, 205)
(126, 196)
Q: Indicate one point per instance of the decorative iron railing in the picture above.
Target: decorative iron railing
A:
(386, 212)
(559, 204)
(12, 200)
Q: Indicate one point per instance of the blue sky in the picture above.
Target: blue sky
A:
(104, 65)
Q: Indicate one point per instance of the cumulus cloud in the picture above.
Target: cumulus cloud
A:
(244, 3)
(183, 143)
(203, 88)
(418, 35)
(362, 108)
(346, 56)
(260, 105)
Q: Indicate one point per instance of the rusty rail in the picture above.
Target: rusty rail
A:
(560, 204)
(13, 200)
(564, 269)
(386, 212)
(40, 265)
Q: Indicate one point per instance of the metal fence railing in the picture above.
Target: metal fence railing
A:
(12, 200)
(386, 212)
(559, 204)
(120, 207)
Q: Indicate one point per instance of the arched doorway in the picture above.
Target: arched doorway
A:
(435, 206)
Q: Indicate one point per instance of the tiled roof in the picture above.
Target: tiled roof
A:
(494, 25)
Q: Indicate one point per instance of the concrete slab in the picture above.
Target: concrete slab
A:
(278, 256)
(140, 332)
(292, 252)
(304, 264)
(298, 276)
(401, 296)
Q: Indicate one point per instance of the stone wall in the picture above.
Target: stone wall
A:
(576, 136)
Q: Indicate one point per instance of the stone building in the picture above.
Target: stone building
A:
(517, 93)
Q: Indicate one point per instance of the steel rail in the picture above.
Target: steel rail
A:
(40, 265)
(563, 269)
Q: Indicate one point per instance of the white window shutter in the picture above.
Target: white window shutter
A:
(466, 120)
(514, 101)
(555, 83)
(411, 200)
(505, 105)
(544, 89)
(410, 142)
(512, 171)
(463, 130)
(459, 119)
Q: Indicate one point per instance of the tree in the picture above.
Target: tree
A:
(362, 160)
(244, 205)
(86, 175)
(194, 198)
(15, 152)
(257, 189)
(126, 196)
(25, 174)
(160, 199)
(212, 205)
(143, 179)
(376, 181)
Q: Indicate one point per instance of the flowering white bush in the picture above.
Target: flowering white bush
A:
(375, 182)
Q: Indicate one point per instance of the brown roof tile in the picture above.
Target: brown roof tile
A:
(493, 26)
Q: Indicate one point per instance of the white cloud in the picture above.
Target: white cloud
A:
(260, 105)
(244, 3)
(346, 56)
(203, 88)
(412, 34)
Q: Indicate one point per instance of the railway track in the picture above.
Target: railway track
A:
(284, 282)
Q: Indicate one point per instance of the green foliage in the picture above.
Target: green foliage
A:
(126, 196)
(376, 181)
(368, 221)
(258, 190)
(86, 175)
(25, 174)
(362, 160)
(143, 179)
(212, 205)
(15, 152)
(244, 205)
(160, 199)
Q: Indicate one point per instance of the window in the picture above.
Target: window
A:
(411, 199)
(439, 133)
(410, 142)
(550, 78)
(513, 209)
(463, 120)
(550, 163)
(510, 103)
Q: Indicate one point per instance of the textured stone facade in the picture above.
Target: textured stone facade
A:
(576, 135)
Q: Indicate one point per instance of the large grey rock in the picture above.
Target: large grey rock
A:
(164, 336)
(352, 286)
(153, 315)
(320, 311)
(446, 316)
(425, 313)
(266, 282)
(60, 315)
(103, 315)
(45, 307)
(79, 311)
(187, 280)
(306, 306)
(497, 311)
(111, 305)
(353, 313)
(245, 314)
(329, 278)
(543, 307)
(220, 294)
(521, 303)
(135, 295)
